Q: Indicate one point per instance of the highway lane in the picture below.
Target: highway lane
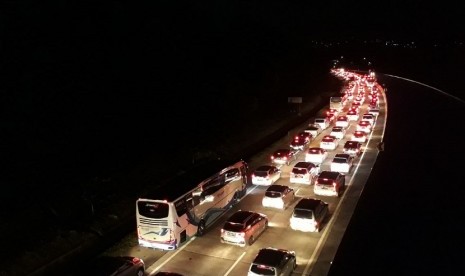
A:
(206, 255)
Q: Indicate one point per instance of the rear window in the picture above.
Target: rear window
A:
(273, 194)
(325, 181)
(262, 269)
(351, 146)
(154, 210)
(339, 160)
(299, 171)
(261, 173)
(303, 213)
(233, 227)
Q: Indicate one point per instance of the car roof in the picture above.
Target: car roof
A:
(328, 174)
(308, 203)
(342, 155)
(312, 149)
(240, 216)
(352, 144)
(304, 164)
(277, 188)
(270, 256)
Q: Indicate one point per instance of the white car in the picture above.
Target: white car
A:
(323, 122)
(353, 148)
(278, 196)
(352, 115)
(316, 155)
(369, 117)
(266, 175)
(329, 142)
(313, 129)
(364, 126)
(342, 121)
(338, 132)
(342, 162)
(309, 215)
(374, 111)
(359, 136)
(304, 173)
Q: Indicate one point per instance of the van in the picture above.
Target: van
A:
(329, 183)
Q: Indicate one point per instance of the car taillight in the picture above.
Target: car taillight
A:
(334, 184)
(272, 157)
(135, 260)
(222, 231)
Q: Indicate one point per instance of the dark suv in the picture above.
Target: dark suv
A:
(273, 262)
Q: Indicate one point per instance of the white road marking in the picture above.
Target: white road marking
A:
(234, 264)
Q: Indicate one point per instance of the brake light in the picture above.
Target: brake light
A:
(272, 157)
(135, 260)
(334, 184)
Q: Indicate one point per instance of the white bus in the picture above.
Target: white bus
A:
(166, 224)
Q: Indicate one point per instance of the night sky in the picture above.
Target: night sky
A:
(86, 87)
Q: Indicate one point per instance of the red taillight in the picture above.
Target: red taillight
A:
(272, 157)
(135, 260)
(334, 184)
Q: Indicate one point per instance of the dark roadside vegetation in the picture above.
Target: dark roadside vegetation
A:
(94, 120)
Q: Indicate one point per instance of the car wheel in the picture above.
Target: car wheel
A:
(201, 228)
(140, 272)
(294, 265)
(251, 240)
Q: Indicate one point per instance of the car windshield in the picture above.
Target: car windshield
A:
(302, 213)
